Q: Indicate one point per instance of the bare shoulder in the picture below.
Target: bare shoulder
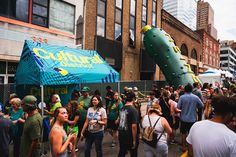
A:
(55, 132)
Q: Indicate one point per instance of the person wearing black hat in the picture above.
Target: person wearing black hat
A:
(32, 133)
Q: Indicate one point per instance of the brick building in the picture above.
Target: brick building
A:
(112, 27)
(210, 50)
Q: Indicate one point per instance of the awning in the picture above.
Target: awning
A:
(43, 64)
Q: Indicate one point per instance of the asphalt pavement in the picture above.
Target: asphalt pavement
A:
(108, 151)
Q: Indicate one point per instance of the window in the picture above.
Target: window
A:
(132, 22)
(11, 67)
(224, 52)
(144, 13)
(40, 12)
(15, 9)
(67, 16)
(2, 67)
(184, 50)
(118, 20)
(101, 11)
(194, 54)
(154, 13)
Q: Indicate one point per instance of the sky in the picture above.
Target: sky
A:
(225, 18)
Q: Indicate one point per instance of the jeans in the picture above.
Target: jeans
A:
(97, 139)
(161, 150)
(16, 146)
(126, 145)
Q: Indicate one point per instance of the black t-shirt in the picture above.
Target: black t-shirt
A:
(128, 115)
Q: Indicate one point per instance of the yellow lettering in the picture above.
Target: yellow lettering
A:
(84, 59)
(96, 60)
(37, 52)
(72, 58)
(52, 56)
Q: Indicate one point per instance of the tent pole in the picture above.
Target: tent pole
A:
(118, 86)
(42, 100)
(42, 112)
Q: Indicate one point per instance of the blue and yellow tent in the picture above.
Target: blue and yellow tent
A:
(43, 64)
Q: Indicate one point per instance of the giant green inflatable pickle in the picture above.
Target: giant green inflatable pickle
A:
(160, 46)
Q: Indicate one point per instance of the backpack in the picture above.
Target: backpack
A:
(149, 135)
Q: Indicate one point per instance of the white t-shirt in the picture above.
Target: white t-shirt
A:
(158, 128)
(211, 139)
(97, 114)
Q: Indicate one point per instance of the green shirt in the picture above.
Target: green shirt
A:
(113, 109)
(32, 130)
(55, 106)
(84, 104)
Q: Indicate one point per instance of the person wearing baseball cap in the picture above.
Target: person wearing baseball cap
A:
(84, 103)
(32, 133)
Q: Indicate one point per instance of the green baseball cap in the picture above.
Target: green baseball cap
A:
(29, 100)
(85, 89)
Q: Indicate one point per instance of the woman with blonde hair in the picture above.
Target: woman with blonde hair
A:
(16, 114)
(59, 141)
(161, 127)
(55, 103)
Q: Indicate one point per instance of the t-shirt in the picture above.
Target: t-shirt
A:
(16, 115)
(32, 130)
(83, 107)
(211, 139)
(128, 115)
(96, 114)
(189, 103)
(114, 109)
(5, 125)
(18, 127)
(55, 106)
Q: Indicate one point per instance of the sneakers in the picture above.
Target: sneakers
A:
(76, 149)
(173, 142)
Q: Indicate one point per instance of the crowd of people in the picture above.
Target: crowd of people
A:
(205, 116)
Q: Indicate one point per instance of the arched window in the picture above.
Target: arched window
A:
(194, 54)
(184, 50)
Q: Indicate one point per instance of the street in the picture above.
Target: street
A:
(108, 151)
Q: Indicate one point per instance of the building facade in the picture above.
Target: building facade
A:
(228, 55)
(210, 50)
(45, 21)
(112, 27)
(205, 18)
(183, 10)
(187, 40)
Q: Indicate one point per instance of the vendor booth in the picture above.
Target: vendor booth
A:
(51, 65)
(214, 76)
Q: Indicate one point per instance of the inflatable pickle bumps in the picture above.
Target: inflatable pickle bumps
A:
(160, 46)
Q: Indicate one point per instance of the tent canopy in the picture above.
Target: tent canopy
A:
(43, 64)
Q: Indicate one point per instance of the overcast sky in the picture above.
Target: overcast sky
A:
(225, 18)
